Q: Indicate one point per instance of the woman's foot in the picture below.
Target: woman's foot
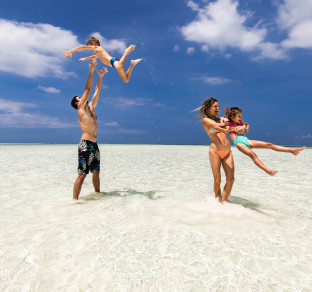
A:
(272, 172)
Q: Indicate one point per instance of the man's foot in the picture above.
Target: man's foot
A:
(218, 198)
(134, 62)
(130, 49)
(297, 151)
(272, 172)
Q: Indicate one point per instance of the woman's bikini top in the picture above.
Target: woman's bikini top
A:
(233, 125)
(213, 130)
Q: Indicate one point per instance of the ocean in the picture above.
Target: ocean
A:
(155, 226)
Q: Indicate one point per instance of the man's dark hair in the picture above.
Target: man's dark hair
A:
(73, 102)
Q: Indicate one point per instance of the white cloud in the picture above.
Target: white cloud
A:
(190, 51)
(12, 115)
(214, 80)
(113, 45)
(219, 25)
(308, 136)
(295, 17)
(176, 48)
(34, 50)
(49, 89)
(111, 124)
(123, 102)
(204, 48)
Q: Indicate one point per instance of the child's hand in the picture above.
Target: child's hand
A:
(102, 72)
(68, 53)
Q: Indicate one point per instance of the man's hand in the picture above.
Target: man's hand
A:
(102, 72)
(92, 65)
(68, 53)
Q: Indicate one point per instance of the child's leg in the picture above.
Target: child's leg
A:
(244, 149)
(122, 60)
(228, 166)
(261, 144)
(119, 65)
(215, 163)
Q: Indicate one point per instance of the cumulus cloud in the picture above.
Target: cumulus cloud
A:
(34, 50)
(37, 49)
(49, 89)
(295, 17)
(220, 26)
(13, 115)
(114, 45)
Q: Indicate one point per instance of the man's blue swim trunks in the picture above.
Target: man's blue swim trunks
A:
(113, 60)
(88, 157)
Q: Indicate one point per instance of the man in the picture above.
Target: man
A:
(88, 151)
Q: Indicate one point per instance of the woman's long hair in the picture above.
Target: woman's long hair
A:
(204, 110)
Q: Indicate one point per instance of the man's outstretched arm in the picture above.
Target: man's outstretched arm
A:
(98, 87)
(88, 87)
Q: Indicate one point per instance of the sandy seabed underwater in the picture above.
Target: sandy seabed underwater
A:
(156, 225)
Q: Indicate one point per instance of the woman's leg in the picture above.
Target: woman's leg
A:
(267, 145)
(228, 166)
(244, 149)
(215, 163)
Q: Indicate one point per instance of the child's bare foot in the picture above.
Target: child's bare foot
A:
(130, 49)
(298, 150)
(272, 172)
(134, 62)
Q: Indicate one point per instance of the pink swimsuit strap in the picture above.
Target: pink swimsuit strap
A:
(233, 125)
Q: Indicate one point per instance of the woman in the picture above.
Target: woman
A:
(220, 148)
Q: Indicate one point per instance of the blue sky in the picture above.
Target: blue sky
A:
(253, 54)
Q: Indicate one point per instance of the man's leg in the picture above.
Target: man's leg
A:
(96, 180)
(77, 185)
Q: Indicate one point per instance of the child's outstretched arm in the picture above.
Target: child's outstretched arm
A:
(88, 58)
(70, 53)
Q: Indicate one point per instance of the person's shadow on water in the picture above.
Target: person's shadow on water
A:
(246, 203)
(125, 193)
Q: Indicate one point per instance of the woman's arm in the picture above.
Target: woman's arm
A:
(221, 127)
(247, 127)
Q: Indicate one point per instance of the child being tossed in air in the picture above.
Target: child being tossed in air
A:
(94, 46)
(238, 128)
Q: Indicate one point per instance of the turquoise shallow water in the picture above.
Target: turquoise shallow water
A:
(157, 226)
